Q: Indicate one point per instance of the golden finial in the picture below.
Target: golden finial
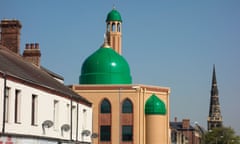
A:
(105, 44)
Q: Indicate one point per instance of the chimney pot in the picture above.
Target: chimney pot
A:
(27, 46)
(32, 45)
(36, 46)
(175, 119)
(32, 53)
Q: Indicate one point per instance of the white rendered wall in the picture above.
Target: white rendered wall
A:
(45, 111)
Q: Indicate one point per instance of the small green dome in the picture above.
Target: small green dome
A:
(114, 15)
(155, 106)
(105, 66)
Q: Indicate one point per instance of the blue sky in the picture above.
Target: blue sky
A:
(167, 43)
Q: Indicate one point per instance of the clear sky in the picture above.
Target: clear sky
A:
(169, 43)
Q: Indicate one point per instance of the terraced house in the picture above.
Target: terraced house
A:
(35, 105)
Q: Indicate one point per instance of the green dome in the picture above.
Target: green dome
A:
(114, 15)
(155, 106)
(105, 66)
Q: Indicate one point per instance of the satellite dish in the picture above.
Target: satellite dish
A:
(65, 127)
(47, 124)
(94, 135)
(86, 132)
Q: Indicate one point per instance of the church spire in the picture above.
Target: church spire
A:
(215, 117)
(214, 90)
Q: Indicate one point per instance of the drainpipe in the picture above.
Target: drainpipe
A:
(4, 102)
(77, 124)
(71, 121)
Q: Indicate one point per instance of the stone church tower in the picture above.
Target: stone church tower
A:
(215, 117)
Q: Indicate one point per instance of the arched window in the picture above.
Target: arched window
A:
(118, 27)
(105, 106)
(127, 113)
(108, 27)
(105, 128)
(127, 106)
(113, 27)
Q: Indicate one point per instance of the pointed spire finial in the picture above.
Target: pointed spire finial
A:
(214, 79)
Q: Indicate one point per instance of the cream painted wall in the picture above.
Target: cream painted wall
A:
(138, 94)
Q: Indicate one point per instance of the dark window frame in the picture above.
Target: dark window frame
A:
(127, 106)
(105, 106)
(127, 133)
(17, 105)
(34, 109)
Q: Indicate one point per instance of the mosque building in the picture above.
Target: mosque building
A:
(123, 112)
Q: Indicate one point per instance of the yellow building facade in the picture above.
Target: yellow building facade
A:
(123, 113)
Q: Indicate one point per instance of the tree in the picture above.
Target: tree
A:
(222, 135)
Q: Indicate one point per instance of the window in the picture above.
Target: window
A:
(108, 27)
(74, 116)
(105, 106)
(114, 27)
(68, 113)
(17, 106)
(55, 113)
(127, 133)
(105, 133)
(118, 27)
(7, 106)
(84, 124)
(127, 106)
(34, 110)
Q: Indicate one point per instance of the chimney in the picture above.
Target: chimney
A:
(175, 119)
(185, 123)
(10, 34)
(32, 53)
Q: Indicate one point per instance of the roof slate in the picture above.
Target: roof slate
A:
(13, 64)
(179, 126)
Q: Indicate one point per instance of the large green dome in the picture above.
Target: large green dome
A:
(114, 15)
(105, 66)
(155, 106)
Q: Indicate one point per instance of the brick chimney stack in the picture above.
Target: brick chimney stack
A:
(175, 119)
(186, 123)
(10, 34)
(32, 53)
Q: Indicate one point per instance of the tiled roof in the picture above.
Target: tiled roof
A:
(14, 65)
